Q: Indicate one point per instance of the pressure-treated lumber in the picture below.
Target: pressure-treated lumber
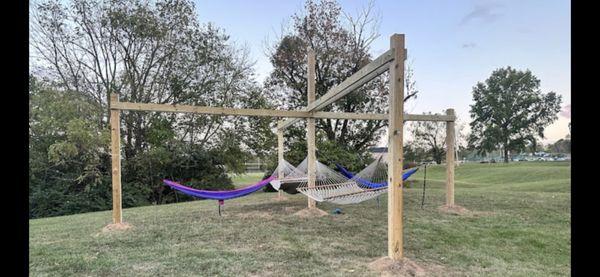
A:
(429, 117)
(395, 133)
(364, 75)
(366, 116)
(280, 157)
(129, 106)
(240, 112)
(206, 110)
(361, 77)
(450, 142)
(115, 149)
(310, 128)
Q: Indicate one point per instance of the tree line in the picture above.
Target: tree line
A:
(82, 51)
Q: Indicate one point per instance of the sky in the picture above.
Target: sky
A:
(451, 45)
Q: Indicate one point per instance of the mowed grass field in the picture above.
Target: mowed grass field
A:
(519, 225)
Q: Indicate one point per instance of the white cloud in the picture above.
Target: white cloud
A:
(486, 12)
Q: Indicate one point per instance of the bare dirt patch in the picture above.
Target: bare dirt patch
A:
(454, 209)
(404, 267)
(117, 227)
(387, 267)
(312, 212)
(280, 198)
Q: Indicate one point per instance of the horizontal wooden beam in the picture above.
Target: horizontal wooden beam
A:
(429, 117)
(240, 112)
(115, 105)
(364, 116)
(364, 75)
(205, 110)
(341, 115)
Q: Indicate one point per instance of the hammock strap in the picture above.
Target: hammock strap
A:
(221, 203)
(424, 182)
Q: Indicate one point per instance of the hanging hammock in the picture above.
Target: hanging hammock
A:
(218, 195)
(372, 185)
(292, 176)
(350, 188)
(329, 184)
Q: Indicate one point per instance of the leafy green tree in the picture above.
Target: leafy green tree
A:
(342, 46)
(415, 154)
(560, 146)
(510, 111)
(429, 139)
(68, 153)
(146, 51)
(430, 136)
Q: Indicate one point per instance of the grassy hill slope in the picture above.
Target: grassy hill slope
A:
(519, 225)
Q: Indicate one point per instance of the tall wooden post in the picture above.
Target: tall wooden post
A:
(450, 137)
(310, 128)
(115, 138)
(395, 133)
(280, 155)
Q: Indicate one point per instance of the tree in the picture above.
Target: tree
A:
(146, 51)
(429, 138)
(68, 153)
(149, 52)
(510, 111)
(341, 44)
(560, 146)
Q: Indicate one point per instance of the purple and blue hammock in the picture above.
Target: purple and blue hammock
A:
(221, 196)
(218, 195)
(370, 184)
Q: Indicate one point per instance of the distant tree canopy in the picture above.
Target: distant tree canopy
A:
(342, 44)
(428, 140)
(430, 136)
(510, 111)
(82, 51)
(560, 146)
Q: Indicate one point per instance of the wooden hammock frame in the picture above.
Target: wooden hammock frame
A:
(392, 60)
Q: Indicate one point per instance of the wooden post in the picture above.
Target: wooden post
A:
(395, 133)
(310, 128)
(280, 155)
(450, 137)
(115, 146)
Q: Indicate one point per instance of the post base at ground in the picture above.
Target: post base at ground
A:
(117, 227)
(280, 198)
(311, 212)
(404, 267)
(453, 209)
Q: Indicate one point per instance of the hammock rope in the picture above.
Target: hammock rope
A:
(348, 188)
(290, 174)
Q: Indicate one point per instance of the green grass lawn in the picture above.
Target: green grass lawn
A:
(242, 180)
(520, 226)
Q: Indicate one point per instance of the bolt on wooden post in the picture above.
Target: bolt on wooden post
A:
(395, 155)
